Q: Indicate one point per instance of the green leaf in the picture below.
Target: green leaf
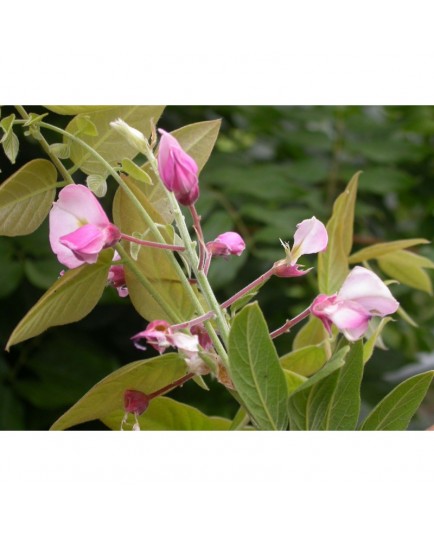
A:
(333, 263)
(372, 252)
(74, 110)
(86, 126)
(128, 166)
(308, 405)
(26, 198)
(408, 269)
(313, 332)
(154, 263)
(165, 413)
(34, 119)
(305, 361)
(395, 411)
(293, 380)
(70, 299)
(6, 124)
(255, 370)
(61, 150)
(106, 397)
(109, 144)
(11, 146)
(368, 348)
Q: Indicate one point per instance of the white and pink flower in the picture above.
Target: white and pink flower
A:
(362, 296)
(79, 227)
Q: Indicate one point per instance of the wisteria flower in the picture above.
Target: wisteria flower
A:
(362, 296)
(226, 244)
(178, 170)
(156, 334)
(310, 237)
(79, 227)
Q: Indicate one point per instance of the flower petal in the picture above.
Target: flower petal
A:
(310, 237)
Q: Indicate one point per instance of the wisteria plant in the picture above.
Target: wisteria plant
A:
(152, 251)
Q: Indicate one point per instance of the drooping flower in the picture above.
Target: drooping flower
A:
(226, 244)
(178, 170)
(133, 136)
(362, 296)
(156, 334)
(135, 401)
(116, 277)
(310, 237)
(79, 227)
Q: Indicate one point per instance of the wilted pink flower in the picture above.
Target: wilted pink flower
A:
(187, 344)
(204, 338)
(116, 277)
(156, 334)
(362, 296)
(135, 401)
(229, 243)
(79, 227)
(178, 170)
(310, 237)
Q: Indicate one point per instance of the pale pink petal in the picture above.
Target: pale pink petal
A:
(79, 202)
(368, 290)
(310, 237)
(87, 240)
(229, 243)
(188, 344)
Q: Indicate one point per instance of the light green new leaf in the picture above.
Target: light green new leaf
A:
(11, 146)
(368, 348)
(27, 197)
(165, 413)
(109, 143)
(70, 299)
(305, 361)
(408, 269)
(373, 252)
(107, 396)
(293, 380)
(255, 370)
(333, 263)
(313, 332)
(308, 406)
(155, 264)
(395, 411)
(132, 169)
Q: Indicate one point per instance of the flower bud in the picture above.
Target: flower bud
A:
(178, 170)
(133, 136)
(226, 244)
(135, 401)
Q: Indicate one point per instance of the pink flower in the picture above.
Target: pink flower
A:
(79, 227)
(178, 170)
(362, 296)
(310, 237)
(226, 244)
(204, 338)
(156, 334)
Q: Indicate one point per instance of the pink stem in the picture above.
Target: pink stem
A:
(195, 321)
(261, 279)
(203, 252)
(290, 323)
(172, 247)
(172, 385)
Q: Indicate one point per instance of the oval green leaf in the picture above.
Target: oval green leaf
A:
(106, 397)
(305, 361)
(27, 197)
(74, 110)
(395, 411)
(408, 269)
(255, 370)
(165, 413)
(372, 252)
(70, 299)
(109, 144)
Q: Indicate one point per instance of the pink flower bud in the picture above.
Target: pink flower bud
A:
(226, 244)
(362, 296)
(135, 401)
(79, 227)
(178, 170)
(116, 277)
(310, 237)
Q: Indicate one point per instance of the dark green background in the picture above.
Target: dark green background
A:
(272, 167)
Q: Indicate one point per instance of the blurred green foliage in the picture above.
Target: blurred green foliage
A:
(272, 167)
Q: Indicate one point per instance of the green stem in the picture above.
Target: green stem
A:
(171, 313)
(60, 167)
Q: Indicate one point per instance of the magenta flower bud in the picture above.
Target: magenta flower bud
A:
(135, 401)
(178, 170)
(362, 296)
(226, 244)
(156, 334)
(79, 227)
(310, 237)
